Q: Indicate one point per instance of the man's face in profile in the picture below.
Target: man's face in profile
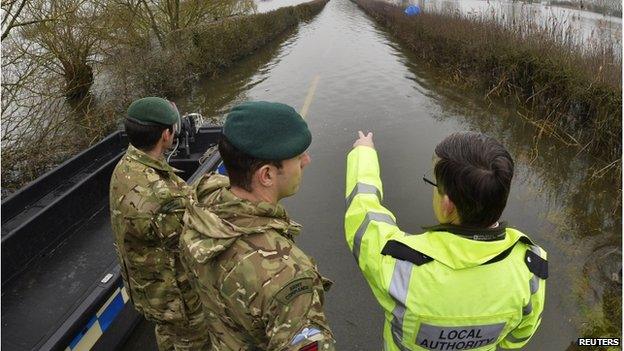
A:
(289, 176)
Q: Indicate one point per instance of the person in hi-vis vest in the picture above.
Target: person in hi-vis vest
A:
(469, 283)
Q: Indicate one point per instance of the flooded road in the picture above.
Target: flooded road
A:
(347, 74)
(587, 31)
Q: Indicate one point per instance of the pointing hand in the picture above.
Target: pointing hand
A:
(364, 140)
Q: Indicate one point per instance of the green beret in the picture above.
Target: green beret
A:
(153, 111)
(267, 130)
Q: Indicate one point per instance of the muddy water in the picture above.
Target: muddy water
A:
(357, 77)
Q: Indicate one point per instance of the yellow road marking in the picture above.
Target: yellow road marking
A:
(310, 96)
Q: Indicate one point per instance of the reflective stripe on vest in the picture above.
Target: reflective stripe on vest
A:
(533, 284)
(434, 337)
(512, 338)
(370, 216)
(362, 188)
(399, 286)
(487, 334)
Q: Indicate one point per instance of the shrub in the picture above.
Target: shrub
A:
(206, 50)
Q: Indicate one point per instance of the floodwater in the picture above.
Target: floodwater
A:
(584, 29)
(355, 76)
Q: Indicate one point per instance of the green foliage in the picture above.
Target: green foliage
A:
(208, 49)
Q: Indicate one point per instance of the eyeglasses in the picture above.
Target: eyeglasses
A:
(427, 179)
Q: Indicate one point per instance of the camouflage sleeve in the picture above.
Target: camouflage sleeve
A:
(279, 289)
(159, 212)
(168, 222)
(295, 317)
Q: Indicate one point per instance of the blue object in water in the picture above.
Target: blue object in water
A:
(412, 10)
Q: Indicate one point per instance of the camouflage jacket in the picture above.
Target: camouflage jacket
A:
(147, 202)
(258, 289)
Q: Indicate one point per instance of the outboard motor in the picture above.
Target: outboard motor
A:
(185, 134)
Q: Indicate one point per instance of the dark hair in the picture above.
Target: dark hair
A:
(240, 166)
(144, 137)
(475, 172)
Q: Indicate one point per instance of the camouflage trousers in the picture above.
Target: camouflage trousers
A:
(176, 338)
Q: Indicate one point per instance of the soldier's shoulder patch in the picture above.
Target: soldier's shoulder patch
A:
(293, 289)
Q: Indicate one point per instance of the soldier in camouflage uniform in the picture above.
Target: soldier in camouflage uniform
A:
(147, 202)
(258, 289)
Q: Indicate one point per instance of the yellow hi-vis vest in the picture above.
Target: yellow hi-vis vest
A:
(450, 288)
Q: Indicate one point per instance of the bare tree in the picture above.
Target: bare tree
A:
(48, 49)
(161, 17)
(71, 42)
(52, 52)
(12, 16)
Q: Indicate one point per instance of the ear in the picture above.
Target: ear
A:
(448, 207)
(265, 176)
(166, 135)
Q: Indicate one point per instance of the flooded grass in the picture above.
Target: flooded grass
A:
(602, 308)
(571, 94)
(612, 9)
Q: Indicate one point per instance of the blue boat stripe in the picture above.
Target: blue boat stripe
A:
(108, 302)
(359, 233)
(362, 188)
(221, 169)
(111, 311)
(91, 322)
(102, 319)
(83, 332)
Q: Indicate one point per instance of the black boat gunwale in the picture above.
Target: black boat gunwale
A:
(85, 193)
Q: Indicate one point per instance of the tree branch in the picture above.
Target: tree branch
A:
(6, 31)
(153, 23)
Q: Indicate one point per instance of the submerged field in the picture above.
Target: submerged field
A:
(568, 88)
